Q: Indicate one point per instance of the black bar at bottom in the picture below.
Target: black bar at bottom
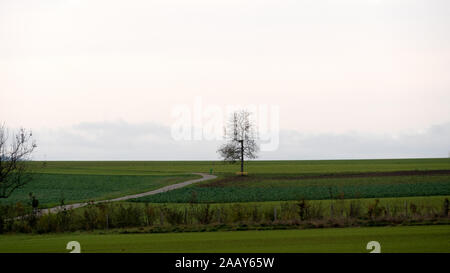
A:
(226, 262)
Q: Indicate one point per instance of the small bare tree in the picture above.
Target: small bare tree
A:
(14, 154)
(241, 143)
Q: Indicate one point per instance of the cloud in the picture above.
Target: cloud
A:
(433, 142)
(120, 140)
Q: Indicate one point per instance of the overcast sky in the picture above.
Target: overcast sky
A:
(351, 78)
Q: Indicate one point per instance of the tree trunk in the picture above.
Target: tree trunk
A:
(242, 157)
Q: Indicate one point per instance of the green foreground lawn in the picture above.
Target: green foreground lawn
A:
(392, 239)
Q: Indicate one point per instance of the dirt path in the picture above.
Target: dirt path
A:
(127, 197)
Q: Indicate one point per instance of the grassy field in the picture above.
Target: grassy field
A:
(392, 239)
(271, 188)
(268, 180)
(258, 167)
(49, 189)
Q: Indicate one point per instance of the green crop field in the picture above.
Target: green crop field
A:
(392, 239)
(268, 181)
(49, 189)
(260, 167)
(269, 188)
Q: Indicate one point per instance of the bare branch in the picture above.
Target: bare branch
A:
(241, 139)
(14, 172)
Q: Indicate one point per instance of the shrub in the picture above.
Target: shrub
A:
(315, 211)
(173, 216)
(374, 210)
(126, 216)
(413, 208)
(303, 209)
(150, 214)
(446, 207)
(90, 219)
(64, 220)
(354, 209)
(203, 214)
(237, 213)
(256, 217)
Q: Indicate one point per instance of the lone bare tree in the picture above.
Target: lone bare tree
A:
(240, 134)
(14, 154)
